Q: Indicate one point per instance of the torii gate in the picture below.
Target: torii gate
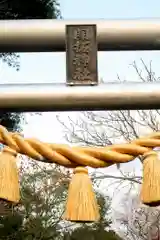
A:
(59, 35)
(82, 91)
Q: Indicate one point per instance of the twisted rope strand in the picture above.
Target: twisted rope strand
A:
(68, 156)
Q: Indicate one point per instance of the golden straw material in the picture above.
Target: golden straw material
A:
(150, 191)
(68, 156)
(9, 179)
(81, 203)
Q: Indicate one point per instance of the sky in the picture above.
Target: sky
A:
(50, 67)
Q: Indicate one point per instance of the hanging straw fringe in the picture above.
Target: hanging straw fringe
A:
(9, 179)
(150, 191)
(81, 203)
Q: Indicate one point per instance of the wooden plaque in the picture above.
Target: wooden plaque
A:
(81, 55)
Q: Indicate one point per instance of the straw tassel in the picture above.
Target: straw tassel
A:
(150, 191)
(9, 179)
(81, 203)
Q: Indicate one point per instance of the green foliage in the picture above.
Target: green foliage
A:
(29, 9)
(38, 216)
(100, 230)
(11, 120)
(26, 9)
(87, 233)
(42, 203)
(11, 59)
(10, 226)
(39, 211)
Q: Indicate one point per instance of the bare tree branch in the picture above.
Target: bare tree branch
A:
(106, 128)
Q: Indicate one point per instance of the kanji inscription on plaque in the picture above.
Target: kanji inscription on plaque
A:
(81, 55)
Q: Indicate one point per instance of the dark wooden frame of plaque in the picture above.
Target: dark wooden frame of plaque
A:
(92, 66)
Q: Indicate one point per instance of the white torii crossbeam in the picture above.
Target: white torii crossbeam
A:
(50, 36)
(59, 97)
